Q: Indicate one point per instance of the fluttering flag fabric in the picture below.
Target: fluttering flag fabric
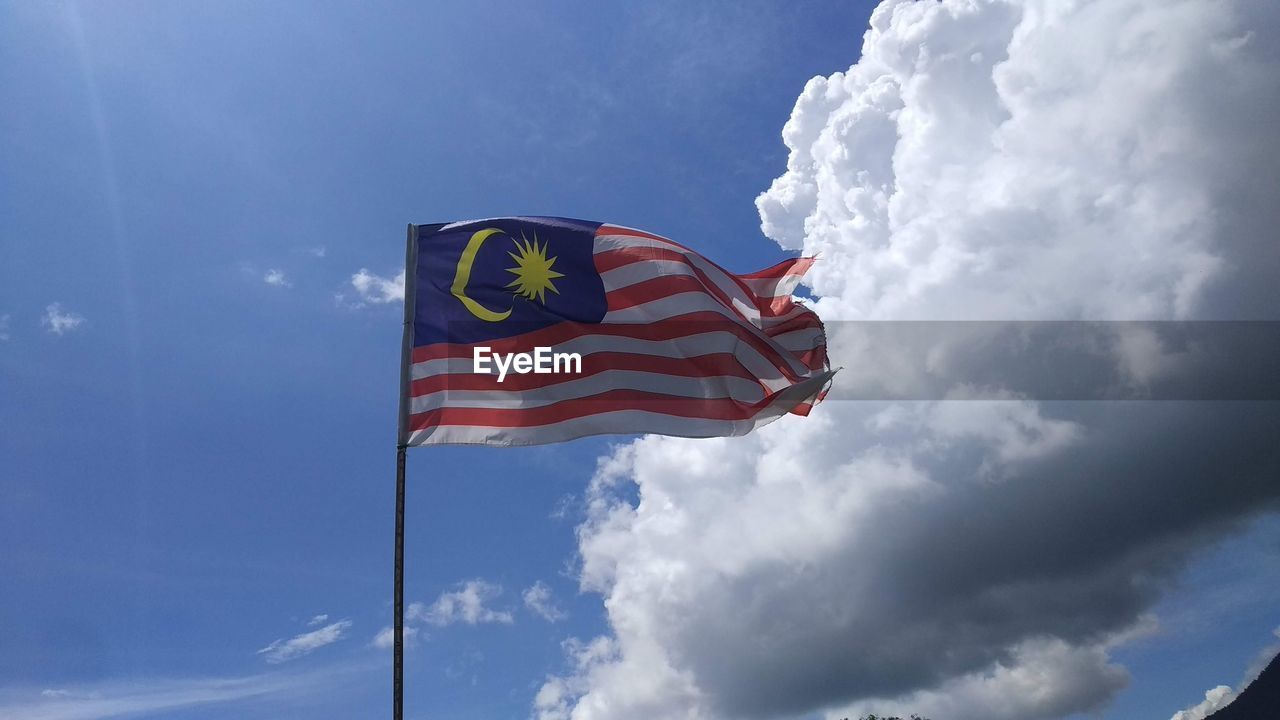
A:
(523, 331)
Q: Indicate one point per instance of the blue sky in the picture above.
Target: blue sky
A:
(204, 463)
(208, 460)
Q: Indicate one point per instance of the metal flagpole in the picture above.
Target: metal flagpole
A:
(397, 682)
(402, 442)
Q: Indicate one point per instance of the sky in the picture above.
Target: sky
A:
(202, 216)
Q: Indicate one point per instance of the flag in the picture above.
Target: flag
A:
(523, 331)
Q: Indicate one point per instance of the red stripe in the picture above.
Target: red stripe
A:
(699, 366)
(611, 259)
(677, 326)
(662, 330)
(767, 306)
(611, 401)
(668, 329)
(689, 285)
(779, 305)
(658, 288)
(815, 359)
(665, 286)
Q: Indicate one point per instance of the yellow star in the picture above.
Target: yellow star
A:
(533, 270)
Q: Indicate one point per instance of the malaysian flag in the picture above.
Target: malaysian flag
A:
(522, 331)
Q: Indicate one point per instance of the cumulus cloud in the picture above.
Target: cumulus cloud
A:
(376, 289)
(276, 278)
(538, 599)
(284, 650)
(1214, 700)
(976, 155)
(59, 321)
(467, 604)
(973, 559)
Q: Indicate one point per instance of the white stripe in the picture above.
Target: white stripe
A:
(683, 303)
(620, 422)
(802, 340)
(605, 243)
(726, 283)
(630, 274)
(637, 272)
(774, 287)
(713, 387)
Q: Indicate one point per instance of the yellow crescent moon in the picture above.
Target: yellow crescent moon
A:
(463, 274)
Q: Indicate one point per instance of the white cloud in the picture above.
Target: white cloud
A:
(991, 159)
(1214, 700)
(467, 605)
(974, 154)
(283, 650)
(557, 696)
(276, 278)
(385, 639)
(155, 697)
(318, 620)
(377, 289)
(538, 599)
(58, 321)
(4, 327)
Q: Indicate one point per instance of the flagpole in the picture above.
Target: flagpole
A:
(402, 443)
(397, 682)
